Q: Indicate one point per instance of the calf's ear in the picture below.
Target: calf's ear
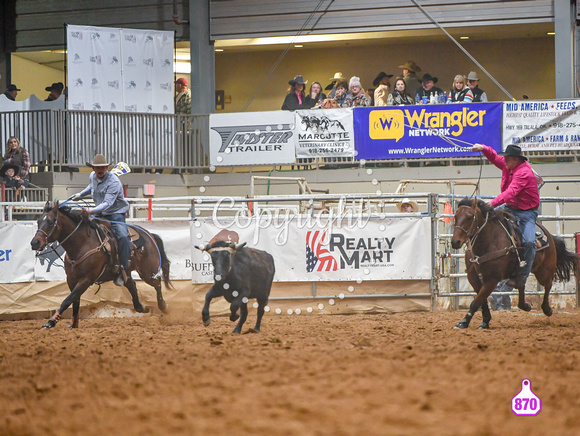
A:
(204, 248)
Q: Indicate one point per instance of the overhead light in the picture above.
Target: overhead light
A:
(551, 33)
(464, 37)
(298, 45)
(219, 49)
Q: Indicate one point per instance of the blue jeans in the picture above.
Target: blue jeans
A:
(120, 231)
(527, 225)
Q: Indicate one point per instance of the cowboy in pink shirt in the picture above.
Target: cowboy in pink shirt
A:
(520, 195)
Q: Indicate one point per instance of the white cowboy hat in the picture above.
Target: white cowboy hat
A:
(414, 205)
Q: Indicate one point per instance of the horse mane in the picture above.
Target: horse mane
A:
(72, 212)
(489, 212)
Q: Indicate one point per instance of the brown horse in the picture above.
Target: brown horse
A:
(491, 256)
(88, 258)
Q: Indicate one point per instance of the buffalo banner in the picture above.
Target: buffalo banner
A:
(324, 133)
(255, 138)
(425, 131)
(325, 248)
(542, 125)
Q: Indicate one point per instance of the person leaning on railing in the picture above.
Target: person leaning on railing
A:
(9, 176)
(17, 155)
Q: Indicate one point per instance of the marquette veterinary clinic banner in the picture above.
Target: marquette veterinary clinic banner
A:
(542, 125)
(321, 249)
(324, 133)
(425, 131)
(120, 70)
(253, 138)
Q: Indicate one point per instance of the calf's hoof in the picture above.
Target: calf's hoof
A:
(234, 317)
(206, 322)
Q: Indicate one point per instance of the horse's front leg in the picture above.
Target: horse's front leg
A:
(479, 300)
(486, 314)
(522, 299)
(75, 317)
(75, 295)
(132, 287)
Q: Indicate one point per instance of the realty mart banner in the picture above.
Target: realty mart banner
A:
(253, 138)
(326, 249)
(324, 133)
(425, 131)
(542, 125)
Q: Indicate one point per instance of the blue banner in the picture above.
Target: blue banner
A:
(423, 131)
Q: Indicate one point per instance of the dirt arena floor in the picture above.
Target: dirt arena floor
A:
(399, 374)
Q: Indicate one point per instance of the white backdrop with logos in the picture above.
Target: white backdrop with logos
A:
(120, 70)
(324, 133)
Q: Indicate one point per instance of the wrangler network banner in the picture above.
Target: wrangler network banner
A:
(326, 248)
(426, 131)
(254, 138)
(324, 133)
(542, 125)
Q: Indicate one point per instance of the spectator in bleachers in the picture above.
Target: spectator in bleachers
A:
(459, 92)
(182, 97)
(9, 175)
(295, 99)
(400, 97)
(338, 77)
(410, 70)
(341, 94)
(382, 86)
(428, 88)
(316, 96)
(55, 91)
(11, 92)
(357, 97)
(17, 155)
(473, 83)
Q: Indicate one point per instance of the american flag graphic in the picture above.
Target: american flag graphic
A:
(317, 256)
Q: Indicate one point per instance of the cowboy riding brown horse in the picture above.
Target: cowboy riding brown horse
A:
(493, 252)
(90, 257)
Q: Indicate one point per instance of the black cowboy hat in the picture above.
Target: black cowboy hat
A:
(58, 86)
(513, 150)
(380, 77)
(428, 76)
(297, 79)
(7, 166)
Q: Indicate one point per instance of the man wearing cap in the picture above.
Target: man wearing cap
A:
(107, 192)
(182, 97)
(11, 92)
(382, 86)
(55, 91)
(519, 195)
(428, 87)
(410, 70)
(473, 83)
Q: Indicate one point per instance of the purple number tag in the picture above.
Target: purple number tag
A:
(526, 402)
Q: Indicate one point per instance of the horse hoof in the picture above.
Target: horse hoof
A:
(162, 306)
(237, 330)
(72, 326)
(526, 307)
(461, 325)
(548, 311)
(484, 326)
(48, 325)
(206, 322)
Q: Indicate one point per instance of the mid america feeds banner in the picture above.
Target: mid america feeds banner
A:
(425, 131)
(120, 70)
(542, 125)
(324, 133)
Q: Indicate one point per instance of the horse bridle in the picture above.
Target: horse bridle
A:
(54, 226)
(474, 220)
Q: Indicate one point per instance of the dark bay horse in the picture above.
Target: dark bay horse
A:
(88, 261)
(490, 257)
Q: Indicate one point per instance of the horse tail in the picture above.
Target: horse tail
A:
(566, 260)
(165, 263)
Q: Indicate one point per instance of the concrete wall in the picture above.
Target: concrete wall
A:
(522, 66)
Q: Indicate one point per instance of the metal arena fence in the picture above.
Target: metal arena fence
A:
(63, 140)
(448, 283)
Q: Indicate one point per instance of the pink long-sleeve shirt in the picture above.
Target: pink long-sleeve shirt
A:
(519, 188)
